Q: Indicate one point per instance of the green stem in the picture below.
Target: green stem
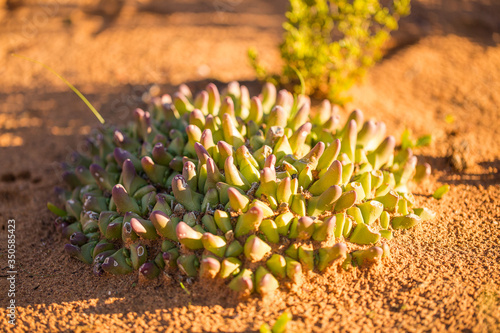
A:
(301, 79)
(99, 117)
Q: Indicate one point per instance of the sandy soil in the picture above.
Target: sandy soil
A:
(445, 61)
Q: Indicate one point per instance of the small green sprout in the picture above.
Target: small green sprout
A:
(185, 289)
(440, 192)
(56, 210)
(449, 118)
(423, 141)
(408, 142)
(280, 326)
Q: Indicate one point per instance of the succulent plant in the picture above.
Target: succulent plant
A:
(252, 190)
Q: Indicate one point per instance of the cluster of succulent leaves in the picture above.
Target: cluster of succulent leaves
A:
(332, 43)
(251, 190)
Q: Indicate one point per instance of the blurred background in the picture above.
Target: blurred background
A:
(443, 59)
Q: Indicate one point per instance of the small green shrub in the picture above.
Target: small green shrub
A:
(332, 43)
